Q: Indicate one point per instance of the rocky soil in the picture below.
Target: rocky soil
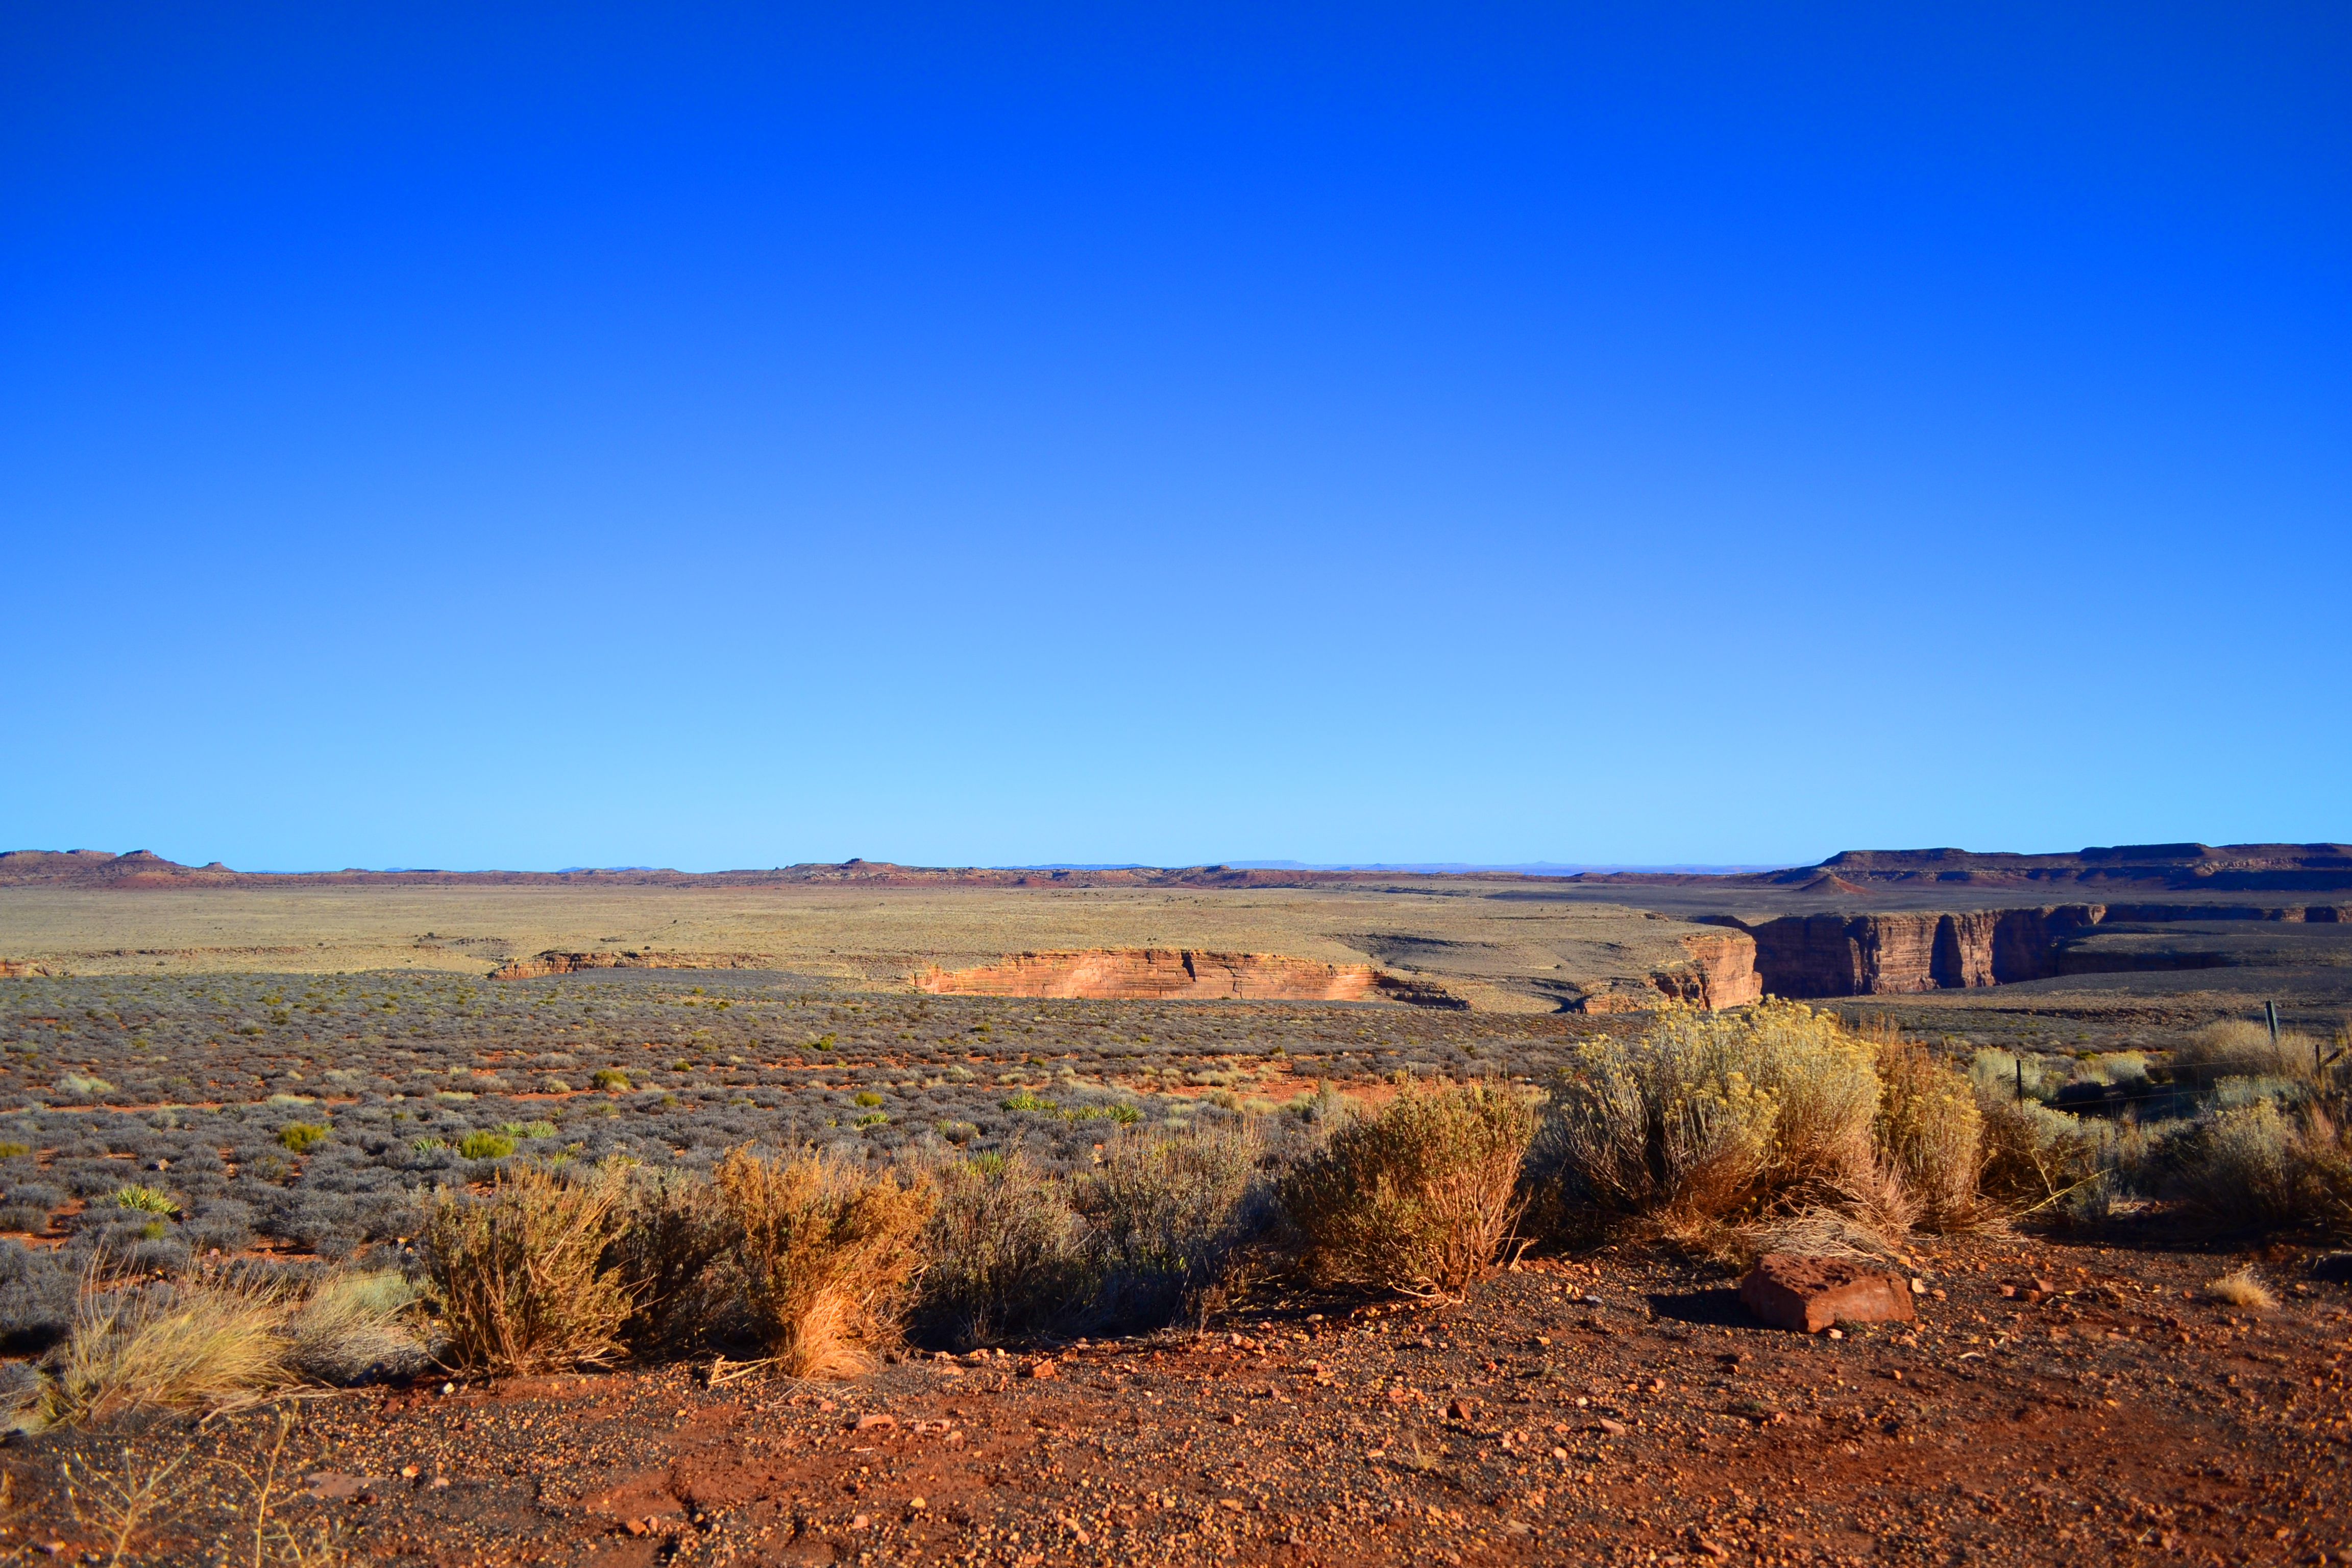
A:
(2076, 1401)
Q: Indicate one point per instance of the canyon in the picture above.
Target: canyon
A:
(1861, 923)
(1893, 953)
(1163, 974)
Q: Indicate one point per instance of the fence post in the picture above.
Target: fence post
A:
(2270, 1013)
(2020, 1081)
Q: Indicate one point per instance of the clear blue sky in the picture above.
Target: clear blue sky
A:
(480, 436)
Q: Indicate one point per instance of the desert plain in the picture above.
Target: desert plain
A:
(211, 1075)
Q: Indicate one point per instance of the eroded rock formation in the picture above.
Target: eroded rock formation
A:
(1165, 973)
(1883, 954)
(1908, 950)
(554, 962)
(1721, 972)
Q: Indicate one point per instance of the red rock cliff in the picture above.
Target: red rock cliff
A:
(1883, 954)
(1155, 974)
(1721, 972)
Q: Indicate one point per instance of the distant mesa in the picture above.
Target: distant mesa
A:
(2300, 867)
(2284, 867)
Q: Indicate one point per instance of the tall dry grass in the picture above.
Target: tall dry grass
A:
(521, 1276)
(827, 1250)
(1420, 1197)
(1930, 1131)
(2237, 1047)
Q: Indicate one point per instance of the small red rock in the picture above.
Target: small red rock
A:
(1461, 1409)
(1040, 1369)
(1809, 1294)
(635, 1526)
(873, 1423)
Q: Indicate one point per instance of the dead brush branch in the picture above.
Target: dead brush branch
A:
(522, 1276)
(1420, 1197)
(828, 1251)
(118, 1503)
(276, 1542)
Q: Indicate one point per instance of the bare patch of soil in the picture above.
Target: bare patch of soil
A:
(1619, 1406)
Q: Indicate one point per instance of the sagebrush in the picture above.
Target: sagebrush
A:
(1421, 1196)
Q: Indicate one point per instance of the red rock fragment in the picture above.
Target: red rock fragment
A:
(873, 1423)
(1809, 1294)
(1043, 1368)
(1461, 1409)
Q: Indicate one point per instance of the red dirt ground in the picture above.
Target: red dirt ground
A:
(1616, 1407)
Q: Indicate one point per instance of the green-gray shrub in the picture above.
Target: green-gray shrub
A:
(1419, 1197)
(2264, 1165)
(674, 1256)
(1004, 1253)
(1710, 1118)
(1169, 1214)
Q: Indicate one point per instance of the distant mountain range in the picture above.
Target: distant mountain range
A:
(2249, 867)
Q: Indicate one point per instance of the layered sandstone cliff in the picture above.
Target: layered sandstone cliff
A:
(1912, 951)
(1721, 972)
(1156, 974)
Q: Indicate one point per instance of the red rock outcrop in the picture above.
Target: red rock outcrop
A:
(1721, 972)
(554, 962)
(1910, 951)
(1159, 973)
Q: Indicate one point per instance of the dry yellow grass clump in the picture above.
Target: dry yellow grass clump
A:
(2242, 1288)
(190, 1344)
(828, 1251)
(218, 1339)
